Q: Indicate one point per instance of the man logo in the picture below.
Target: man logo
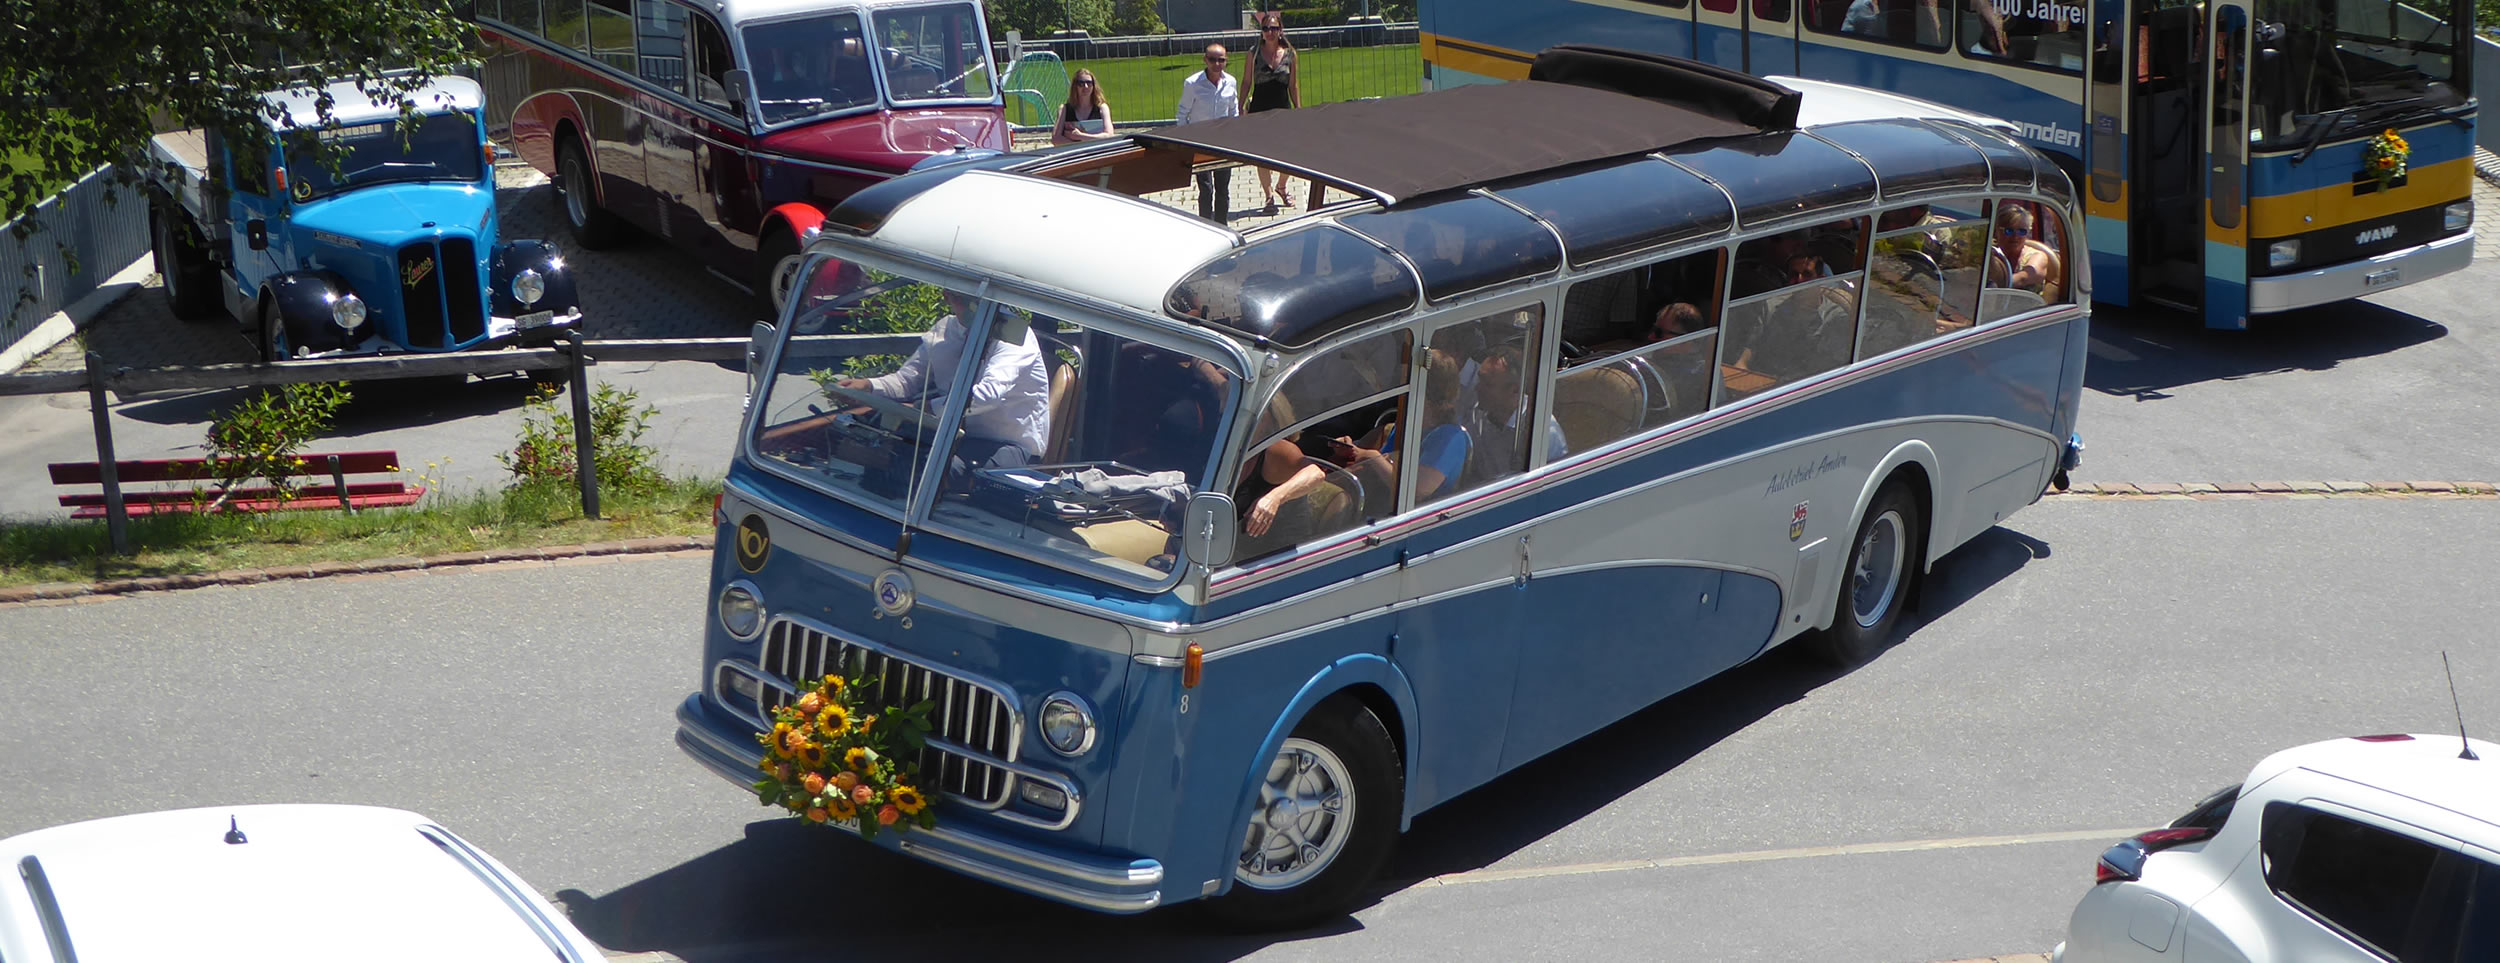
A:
(755, 545)
(416, 273)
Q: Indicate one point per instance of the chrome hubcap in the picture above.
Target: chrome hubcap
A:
(1877, 578)
(1304, 814)
(571, 187)
(785, 277)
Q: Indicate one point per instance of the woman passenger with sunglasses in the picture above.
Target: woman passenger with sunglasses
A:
(1272, 83)
(1084, 106)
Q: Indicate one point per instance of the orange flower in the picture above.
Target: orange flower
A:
(815, 784)
(791, 739)
(886, 815)
(844, 781)
(811, 704)
(782, 772)
(815, 815)
(863, 795)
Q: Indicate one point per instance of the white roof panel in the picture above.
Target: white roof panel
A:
(1829, 103)
(1061, 235)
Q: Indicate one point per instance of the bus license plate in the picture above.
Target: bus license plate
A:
(2379, 279)
(535, 319)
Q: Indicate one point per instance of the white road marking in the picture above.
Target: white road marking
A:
(1770, 855)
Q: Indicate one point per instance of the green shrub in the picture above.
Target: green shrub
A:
(261, 437)
(545, 454)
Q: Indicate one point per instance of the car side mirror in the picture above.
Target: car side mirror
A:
(1207, 531)
(759, 345)
(739, 82)
(256, 234)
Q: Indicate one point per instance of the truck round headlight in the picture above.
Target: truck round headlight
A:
(1067, 725)
(347, 311)
(529, 286)
(741, 611)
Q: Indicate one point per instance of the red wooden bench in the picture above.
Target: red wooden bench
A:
(338, 493)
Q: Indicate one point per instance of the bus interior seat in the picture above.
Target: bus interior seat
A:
(1997, 303)
(1597, 405)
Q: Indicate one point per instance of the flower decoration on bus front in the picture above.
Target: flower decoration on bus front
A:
(2386, 156)
(831, 757)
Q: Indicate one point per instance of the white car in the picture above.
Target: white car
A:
(270, 883)
(2371, 848)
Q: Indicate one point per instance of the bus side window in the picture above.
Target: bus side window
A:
(1924, 280)
(661, 44)
(612, 33)
(1311, 486)
(1642, 360)
(2026, 261)
(1794, 308)
(568, 24)
(711, 65)
(523, 16)
(1478, 398)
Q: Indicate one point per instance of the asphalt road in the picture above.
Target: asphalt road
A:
(2093, 666)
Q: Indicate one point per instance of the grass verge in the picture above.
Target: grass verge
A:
(61, 550)
(1149, 88)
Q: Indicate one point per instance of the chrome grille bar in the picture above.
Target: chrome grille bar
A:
(967, 714)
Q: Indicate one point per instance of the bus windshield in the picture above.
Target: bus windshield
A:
(1073, 444)
(2326, 68)
(934, 53)
(809, 66)
(443, 147)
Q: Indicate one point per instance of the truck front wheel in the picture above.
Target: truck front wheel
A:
(190, 280)
(578, 200)
(274, 346)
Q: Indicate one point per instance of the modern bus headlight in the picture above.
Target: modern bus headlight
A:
(347, 311)
(741, 612)
(2283, 254)
(2457, 216)
(1067, 725)
(528, 286)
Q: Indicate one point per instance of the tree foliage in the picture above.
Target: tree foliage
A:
(84, 84)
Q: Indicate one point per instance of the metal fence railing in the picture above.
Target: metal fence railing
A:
(1141, 76)
(88, 232)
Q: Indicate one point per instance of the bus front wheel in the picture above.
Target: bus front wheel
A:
(1883, 561)
(1323, 823)
(578, 200)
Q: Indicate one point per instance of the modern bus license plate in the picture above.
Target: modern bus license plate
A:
(2379, 279)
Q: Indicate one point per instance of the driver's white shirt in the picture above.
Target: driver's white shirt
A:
(1011, 402)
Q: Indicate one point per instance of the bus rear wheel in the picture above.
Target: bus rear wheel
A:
(1883, 562)
(1324, 821)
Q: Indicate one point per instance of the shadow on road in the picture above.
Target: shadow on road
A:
(373, 406)
(790, 888)
(2144, 353)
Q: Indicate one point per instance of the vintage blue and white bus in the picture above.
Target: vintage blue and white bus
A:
(2227, 148)
(1690, 365)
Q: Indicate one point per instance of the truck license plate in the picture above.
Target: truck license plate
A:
(2379, 279)
(535, 319)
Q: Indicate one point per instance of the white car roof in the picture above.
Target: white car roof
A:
(350, 104)
(311, 883)
(1829, 103)
(2424, 767)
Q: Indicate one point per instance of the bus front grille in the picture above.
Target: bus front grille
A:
(972, 716)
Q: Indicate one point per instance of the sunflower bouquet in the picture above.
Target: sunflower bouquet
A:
(832, 758)
(2385, 158)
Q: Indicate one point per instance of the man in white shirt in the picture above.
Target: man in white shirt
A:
(1008, 421)
(1207, 95)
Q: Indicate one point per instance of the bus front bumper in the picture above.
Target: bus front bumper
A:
(2385, 272)
(1093, 882)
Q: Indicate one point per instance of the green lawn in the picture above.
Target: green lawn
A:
(1148, 88)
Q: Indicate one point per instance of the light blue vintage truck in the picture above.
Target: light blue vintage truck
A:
(390, 244)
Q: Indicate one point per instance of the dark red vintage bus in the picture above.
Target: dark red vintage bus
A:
(728, 127)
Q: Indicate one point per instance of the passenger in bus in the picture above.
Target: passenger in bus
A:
(1685, 366)
(2024, 261)
(1496, 420)
(1008, 421)
(1446, 445)
(1275, 477)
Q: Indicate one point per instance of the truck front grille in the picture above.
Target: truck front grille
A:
(438, 285)
(968, 715)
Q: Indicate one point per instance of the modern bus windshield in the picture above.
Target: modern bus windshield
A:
(1074, 444)
(443, 147)
(2329, 66)
(809, 66)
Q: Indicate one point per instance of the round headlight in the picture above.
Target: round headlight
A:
(529, 286)
(347, 311)
(1067, 725)
(741, 612)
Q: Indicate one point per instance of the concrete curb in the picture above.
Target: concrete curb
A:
(75, 318)
(2218, 491)
(65, 591)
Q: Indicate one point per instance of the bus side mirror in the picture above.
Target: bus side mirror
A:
(759, 344)
(1207, 531)
(739, 81)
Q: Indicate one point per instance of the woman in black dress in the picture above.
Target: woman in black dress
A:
(1084, 104)
(1272, 81)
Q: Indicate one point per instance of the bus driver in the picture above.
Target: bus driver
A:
(1008, 421)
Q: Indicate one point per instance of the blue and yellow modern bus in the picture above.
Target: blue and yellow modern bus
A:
(2235, 155)
(1218, 551)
